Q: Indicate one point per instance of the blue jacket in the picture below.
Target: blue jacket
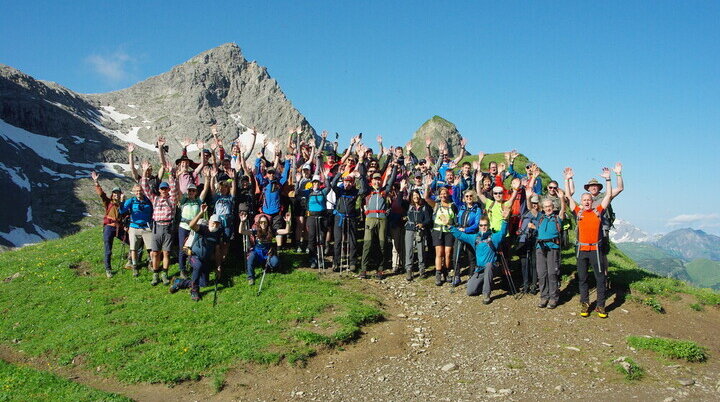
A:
(484, 254)
(140, 212)
(537, 188)
(468, 217)
(548, 230)
(271, 190)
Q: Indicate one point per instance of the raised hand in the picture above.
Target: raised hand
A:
(288, 157)
(463, 142)
(379, 138)
(481, 156)
(618, 168)
(507, 156)
(161, 142)
(568, 173)
(428, 141)
(185, 142)
(145, 166)
(207, 171)
(94, 176)
(475, 165)
(605, 173)
(514, 154)
(230, 173)
(408, 146)
(243, 215)
(324, 134)
(200, 144)
(288, 217)
(203, 208)
(213, 130)
(131, 147)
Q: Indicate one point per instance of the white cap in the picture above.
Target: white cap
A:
(316, 177)
(214, 218)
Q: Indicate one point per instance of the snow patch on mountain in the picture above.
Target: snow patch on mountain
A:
(625, 232)
(16, 176)
(109, 112)
(44, 146)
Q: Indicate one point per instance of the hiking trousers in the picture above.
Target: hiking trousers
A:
(344, 243)
(110, 232)
(462, 247)
(546, 262)
(397, 236)
(527, 264)
(182, 257)
(481, 281)
(585, 260)
(256, 258)
(315, 233)
(414, 244)
(375, 228)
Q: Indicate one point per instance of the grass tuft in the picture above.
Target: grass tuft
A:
(672, 348)
(628, 368)
(649, 301)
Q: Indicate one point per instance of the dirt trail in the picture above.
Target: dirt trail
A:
(437, 343)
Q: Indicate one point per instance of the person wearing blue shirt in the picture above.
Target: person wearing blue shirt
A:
(467, 220)
(316, 209)
(547, 251)
(486, 243)
(141, 211)
(510, 159)
(271, 188)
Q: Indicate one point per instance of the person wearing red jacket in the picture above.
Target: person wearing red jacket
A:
(112, 220)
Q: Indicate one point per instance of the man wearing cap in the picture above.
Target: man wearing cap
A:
(345, 216)
(189, 206)
(202, 253)
(112, 220)
(589, 225)
(163, 202)
(303, 184)
(376, 211)
(141, 210)
(270, 193)
(316, 201)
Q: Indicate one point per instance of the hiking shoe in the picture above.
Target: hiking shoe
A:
(299, 250)
(251, 281)
(183, 275)
(194, 295)
(486, 299)
(456, 281)
(552, 305)
(601, 312)
(421, 273)
(155, 279)
(533, 289)
(380, 275)
(136, 272)
(109, 274)
(438, 278)
(164, 278)
(335, 268)
(409, 276)
(584, 310)
(543, 303)
(176, 285)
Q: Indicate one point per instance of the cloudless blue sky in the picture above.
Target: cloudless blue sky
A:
(568, 83)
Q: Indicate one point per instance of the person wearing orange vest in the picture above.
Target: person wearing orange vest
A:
(589, 224)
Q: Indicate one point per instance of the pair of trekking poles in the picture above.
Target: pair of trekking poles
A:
(345, 246)
(319, 244)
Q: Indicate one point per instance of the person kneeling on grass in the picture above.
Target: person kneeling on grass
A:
(486, 243)
(261, 237)
(206, 237)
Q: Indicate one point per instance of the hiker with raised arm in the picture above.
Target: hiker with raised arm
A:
(530, 168)
(140, 233)
(112, 220)
(271, 187)
(526, 240)
(486, 243)
(164, 202)
(189, 207)
(154, 180)
(205, 239)
(345, 219)
(547, 251)
(316, 219)
(263, 252)
(224, 207)
(443, 215)
(377, 208)
(494, 172)
(188, 172)
(589, 225)
(467, 220)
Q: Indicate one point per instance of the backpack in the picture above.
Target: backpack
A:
(489, 242)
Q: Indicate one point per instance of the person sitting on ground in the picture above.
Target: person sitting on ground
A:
(205, 238)
(112, 220)
(589, 224)
(164, 203)
(486, 243)
(261, 235)
(141, 211)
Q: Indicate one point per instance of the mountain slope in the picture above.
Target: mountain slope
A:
(53, 137)
(689, 244)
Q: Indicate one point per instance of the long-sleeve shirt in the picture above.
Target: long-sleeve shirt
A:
(271, 189)
(484, 253)
(112, 209)
(537, 188)
(163, 207)
(469, 218)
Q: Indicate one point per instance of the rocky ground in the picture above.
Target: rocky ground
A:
(440, 344)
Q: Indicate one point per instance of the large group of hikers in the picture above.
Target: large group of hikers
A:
(406, 208)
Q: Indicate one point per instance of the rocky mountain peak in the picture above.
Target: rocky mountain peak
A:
(440, 131)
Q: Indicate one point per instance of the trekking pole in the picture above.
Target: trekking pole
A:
(215, 292)
(123, 251)
(508, 275)
(320, 245)
(267, 262)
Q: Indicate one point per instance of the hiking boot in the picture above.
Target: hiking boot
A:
(543, 303)
(456, 281)
(194, 295)
(486, 299)
(109, 274)
(552, 305)
(421, 273)
(409, 276)
(601, 312)
(136, 272)
(438, 278)
(533, 289)
(176, 285)
(380, 275)
(164, 278)
(155, 279)
(584, 309)
(396, 271)
(183, 275)
(251, 281)
(129, 265)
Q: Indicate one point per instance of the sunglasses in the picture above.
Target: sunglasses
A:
(483, 225)
(497, 193)
(552, 187)
(468, 196)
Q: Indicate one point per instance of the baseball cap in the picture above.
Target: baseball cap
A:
(534, 198)
(116, 190)
(214, 218)
(164, 185)
(192, 186)
(316, 177)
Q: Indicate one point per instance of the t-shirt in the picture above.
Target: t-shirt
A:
(188, 210)
(494, 213)
(588, 227)
(444, 217)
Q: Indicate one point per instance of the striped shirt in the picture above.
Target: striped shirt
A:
(163, 207)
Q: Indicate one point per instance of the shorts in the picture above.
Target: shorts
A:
(161, 238)
(277, 222)
(137, 235)
(442, 239)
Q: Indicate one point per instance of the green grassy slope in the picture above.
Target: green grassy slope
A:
(656, 260)
(704, 272)
(60, 305)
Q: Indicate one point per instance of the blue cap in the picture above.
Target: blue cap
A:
(164, 185)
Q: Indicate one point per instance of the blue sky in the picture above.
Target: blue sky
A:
(567, 83)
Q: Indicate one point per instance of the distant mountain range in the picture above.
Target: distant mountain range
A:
(686, 254)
